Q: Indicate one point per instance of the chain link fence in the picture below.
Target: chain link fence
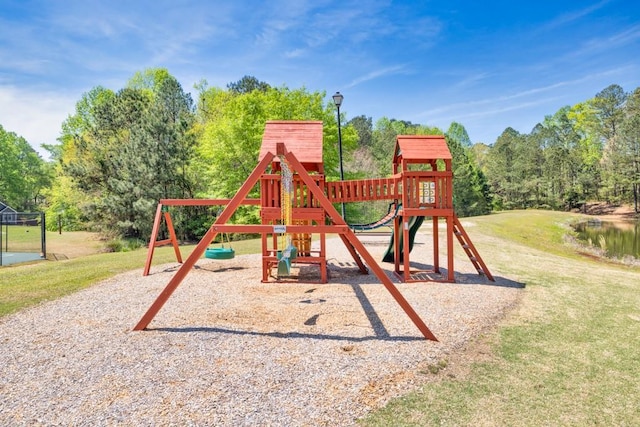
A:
(22, 237)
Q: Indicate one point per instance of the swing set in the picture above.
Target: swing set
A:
(295, 203)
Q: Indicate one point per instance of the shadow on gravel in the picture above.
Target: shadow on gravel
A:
(476, 279)
(379, 329)
(470, 278)
(381, 333)
(287, 335)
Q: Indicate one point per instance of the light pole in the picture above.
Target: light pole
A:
(337, 99)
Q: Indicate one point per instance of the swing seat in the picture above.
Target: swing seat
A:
(284, 267)
(293, 253)
(220, 253)
(284, 262)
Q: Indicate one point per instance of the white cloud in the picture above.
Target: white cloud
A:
(569, 17)
(534, 91)
(35, 116)
(375, 75)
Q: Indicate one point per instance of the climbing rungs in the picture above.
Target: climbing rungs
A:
(470, 250)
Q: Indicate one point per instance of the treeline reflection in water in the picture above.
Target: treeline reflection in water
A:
(617, 239)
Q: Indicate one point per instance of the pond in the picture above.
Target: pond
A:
(618, 239)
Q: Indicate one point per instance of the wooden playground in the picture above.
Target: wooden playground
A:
(297, 206)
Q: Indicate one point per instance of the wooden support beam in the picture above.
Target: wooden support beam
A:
(206, 202)
(359, 247)
(154, 243)
(154, 236)
(226, 214)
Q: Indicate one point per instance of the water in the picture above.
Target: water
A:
(617, 239)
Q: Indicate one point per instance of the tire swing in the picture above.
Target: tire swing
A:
(221, 252)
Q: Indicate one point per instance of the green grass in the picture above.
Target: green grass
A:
(567, 356)
(26, 285)
(543, 230)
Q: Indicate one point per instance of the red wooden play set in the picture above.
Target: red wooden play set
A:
(296, 203)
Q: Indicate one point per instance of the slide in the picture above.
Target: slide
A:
(414, 224)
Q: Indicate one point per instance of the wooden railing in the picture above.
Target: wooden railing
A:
(362, 190)
(414, 189)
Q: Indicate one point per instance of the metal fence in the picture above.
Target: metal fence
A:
(22, 237)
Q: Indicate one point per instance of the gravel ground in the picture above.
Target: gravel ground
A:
(229, 350)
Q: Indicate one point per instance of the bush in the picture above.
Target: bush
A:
(123, 245)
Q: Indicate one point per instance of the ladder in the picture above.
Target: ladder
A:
(469, 249)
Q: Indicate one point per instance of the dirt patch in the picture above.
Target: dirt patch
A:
(73, 244)
(609, 211)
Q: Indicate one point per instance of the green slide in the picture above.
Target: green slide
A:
(414, 224)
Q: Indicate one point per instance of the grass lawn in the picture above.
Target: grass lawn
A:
(23, 285)
(567, 356)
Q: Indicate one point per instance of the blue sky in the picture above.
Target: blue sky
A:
(487, 65)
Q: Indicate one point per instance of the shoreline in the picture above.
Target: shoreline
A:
(609, 212)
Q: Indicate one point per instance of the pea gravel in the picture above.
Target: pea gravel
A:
(228, 350)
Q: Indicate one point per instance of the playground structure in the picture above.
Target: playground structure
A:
(296, 202)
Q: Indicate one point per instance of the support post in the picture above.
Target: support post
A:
(359, 247)
(204, 242)
(436, 253)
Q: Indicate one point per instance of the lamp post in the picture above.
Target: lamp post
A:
(337, 99)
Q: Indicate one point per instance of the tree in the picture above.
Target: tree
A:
(247, 84)
(384, 140)
(364, 127)
(503, 178)
(66, 199)
(126, 150)
(608, 105)
(629, 146)
(11, 185)
(231, 134)
(478, 154)
(150, 79)
(585, 123)
(24, 173)
(471, 195)
(561, 147)
(457, 132)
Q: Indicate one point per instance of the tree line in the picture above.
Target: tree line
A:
(589, 151)
(121, 151)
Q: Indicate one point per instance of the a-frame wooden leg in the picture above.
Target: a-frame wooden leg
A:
(204, 242)
(359, 247)
(172, 236)
(153, 242)
(354, 254)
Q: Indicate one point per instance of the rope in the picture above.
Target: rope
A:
(286, 192)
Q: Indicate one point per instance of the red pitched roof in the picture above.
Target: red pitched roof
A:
(421, 148)
(303, 138)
